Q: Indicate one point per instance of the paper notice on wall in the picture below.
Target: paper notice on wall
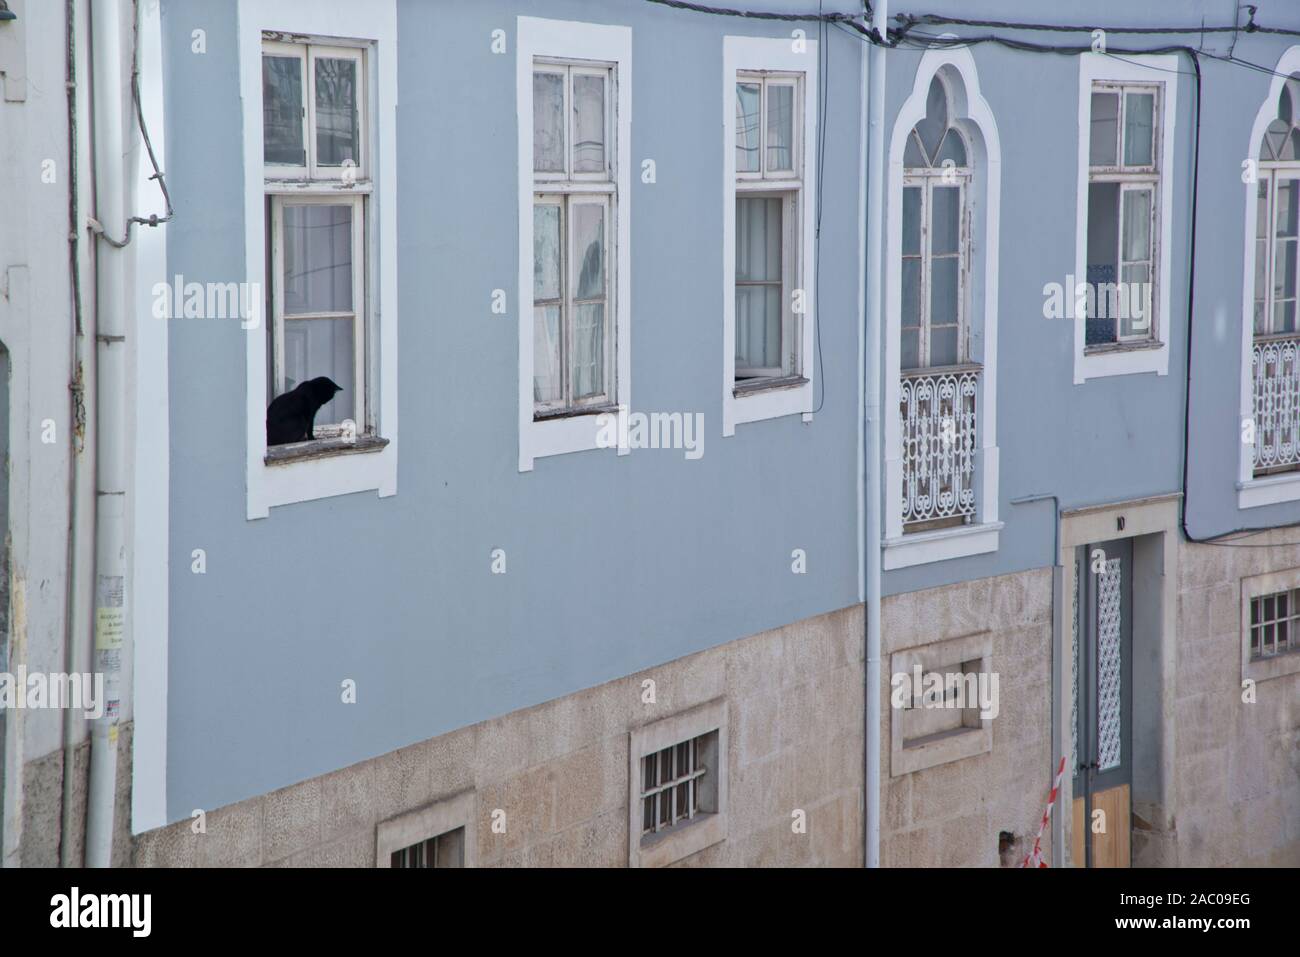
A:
(110, 625)
(109, 613)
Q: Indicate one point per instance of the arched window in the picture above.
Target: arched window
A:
(936, 197)
(1277, 239)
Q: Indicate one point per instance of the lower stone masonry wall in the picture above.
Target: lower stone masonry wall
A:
(560, 771)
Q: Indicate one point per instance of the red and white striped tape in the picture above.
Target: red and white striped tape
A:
(1035, 857)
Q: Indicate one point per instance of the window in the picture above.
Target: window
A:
(320, 243)
(314, 150)
(676, 786)
(1123, 197)
(1270, 619)
(936, 223)
(574, 205)
(1277, 220)
(941, 318)
(443, 834)
(769, 129)
(938, 703)
(445, 850)
(574, 102)
(678, 770)
(768, 199)
(1119, 289)
(1273, 621)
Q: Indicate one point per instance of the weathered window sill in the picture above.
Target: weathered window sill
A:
(322, 448)
(754, 386)
(1113, 348)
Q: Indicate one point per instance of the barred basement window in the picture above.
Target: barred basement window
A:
(445, 850)
(1274, 620)
(673, 789)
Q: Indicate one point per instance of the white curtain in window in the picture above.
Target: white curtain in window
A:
(758, 285)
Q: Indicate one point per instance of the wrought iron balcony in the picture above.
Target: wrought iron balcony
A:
(938, 414)
(1276, 365)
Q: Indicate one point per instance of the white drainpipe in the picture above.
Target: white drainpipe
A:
(110, 97)
(873, 346)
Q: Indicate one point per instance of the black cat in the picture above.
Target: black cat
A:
(292, 417)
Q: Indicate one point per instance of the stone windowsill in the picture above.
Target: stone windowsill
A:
(322, 448)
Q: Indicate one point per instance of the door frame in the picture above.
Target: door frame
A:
(1155, 521)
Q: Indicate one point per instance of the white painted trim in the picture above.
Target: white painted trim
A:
(307, 480)
(771, 54)
(1270, 490)
(1161, 69)
(566, 39)
(150, 490)
(922, 548)
(1252, 492)
(975, 116)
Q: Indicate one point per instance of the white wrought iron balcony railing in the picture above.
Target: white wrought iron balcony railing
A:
(938, 414)
(1276, 365)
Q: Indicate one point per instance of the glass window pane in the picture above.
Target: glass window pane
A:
(911, 291)
(317, 259)
(588, 250)
(1104, 129)
(1135, 300)
(1139, 118)
(1137, 225)
(548, 122)
(322, 347)
(758, 328)
(588, 124)
(943, 346)
(932, 126)
(913, 158)
(747, 127)
(911, 354)
(547, 383)
(758, 238)
(1286, 210)
(588, 350)
(337, 117)
(943, 291)
(953, 148)
(1274, 139)
(282, 111)
(780, 128)
(945, 220)
(1103, 259)
(911, 220)
(546, 251)
(451, 849)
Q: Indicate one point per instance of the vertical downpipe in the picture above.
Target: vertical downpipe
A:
(874, 355)
(108, 96)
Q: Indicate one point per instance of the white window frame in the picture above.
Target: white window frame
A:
(308, 53)
(323, 430)
(704, 830)
(925, 181)
(371, 35)
(1274, 666)
(539, 41)
(775, 60)
(984, 161)
(1144, 354)
(413, 827)
(1255, 492)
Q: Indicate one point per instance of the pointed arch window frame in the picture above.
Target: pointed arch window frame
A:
(1253, 492)
(974, 114)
